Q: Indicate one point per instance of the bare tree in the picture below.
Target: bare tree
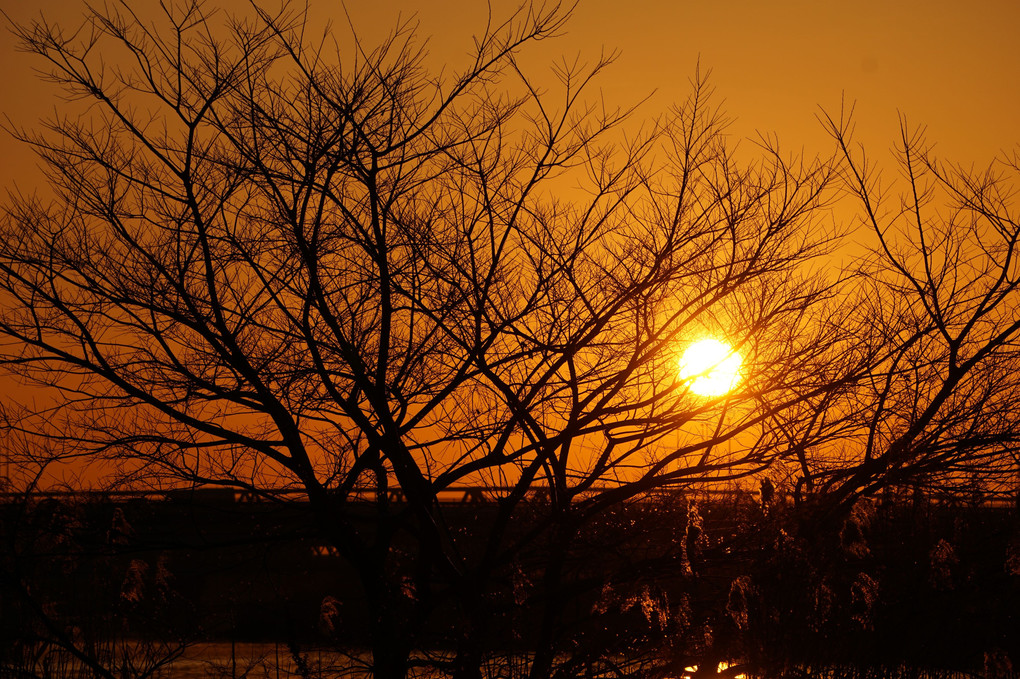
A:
(277, 263)
(941, 405)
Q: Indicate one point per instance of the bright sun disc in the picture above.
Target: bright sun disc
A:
(710, 367)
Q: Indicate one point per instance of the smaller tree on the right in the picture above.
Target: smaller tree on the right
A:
(940, 315)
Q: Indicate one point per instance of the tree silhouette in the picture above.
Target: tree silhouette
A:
(939, 407)
(272, 262)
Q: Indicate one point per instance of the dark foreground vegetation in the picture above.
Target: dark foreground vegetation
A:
(907, 582)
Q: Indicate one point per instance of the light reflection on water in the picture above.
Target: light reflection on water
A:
(265, 661)
(722, 666)
(223, 660)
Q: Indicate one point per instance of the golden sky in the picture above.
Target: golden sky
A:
(952, 66)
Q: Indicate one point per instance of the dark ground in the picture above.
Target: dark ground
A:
(916, 582)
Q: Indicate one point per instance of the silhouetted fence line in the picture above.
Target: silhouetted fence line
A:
(483, 495)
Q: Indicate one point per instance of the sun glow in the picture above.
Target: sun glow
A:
(710, 367)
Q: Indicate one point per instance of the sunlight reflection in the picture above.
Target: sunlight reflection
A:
(690, 671)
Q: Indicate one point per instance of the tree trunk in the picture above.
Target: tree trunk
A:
(468, 661)
(390, 650)
(388, 662)
(546, 643)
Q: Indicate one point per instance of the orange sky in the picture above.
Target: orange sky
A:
(949, 65)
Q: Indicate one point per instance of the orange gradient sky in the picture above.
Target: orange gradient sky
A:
(951, 66)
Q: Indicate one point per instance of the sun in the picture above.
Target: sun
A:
(710, 367)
